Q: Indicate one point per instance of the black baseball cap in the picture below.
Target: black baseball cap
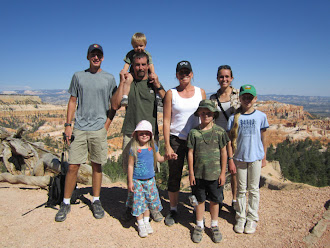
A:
(95, 47)
(183, 64)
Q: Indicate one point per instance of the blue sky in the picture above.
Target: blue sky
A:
(281, 47)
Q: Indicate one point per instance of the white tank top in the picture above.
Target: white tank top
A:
(183, 109)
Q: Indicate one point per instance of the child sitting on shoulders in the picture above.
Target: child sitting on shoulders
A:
(143, 158)
(139, 43)
(248, 144)
(207, 160)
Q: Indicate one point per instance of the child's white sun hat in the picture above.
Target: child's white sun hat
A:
(143, 125)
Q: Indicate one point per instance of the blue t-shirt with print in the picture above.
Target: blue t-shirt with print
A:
(249, 144)
(144, 165)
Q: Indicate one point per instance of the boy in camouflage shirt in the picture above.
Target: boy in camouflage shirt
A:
(207, 159)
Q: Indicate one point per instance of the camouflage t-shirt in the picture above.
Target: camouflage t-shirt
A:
(206, 145)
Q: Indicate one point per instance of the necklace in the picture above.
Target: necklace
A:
(207, 142)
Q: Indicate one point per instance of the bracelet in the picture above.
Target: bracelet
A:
(160, 88)
(67, 124)
(229, 158)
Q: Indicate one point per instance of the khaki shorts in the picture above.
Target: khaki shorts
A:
(127, 147)
(92, 143)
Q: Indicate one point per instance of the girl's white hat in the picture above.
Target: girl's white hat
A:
(143, 126)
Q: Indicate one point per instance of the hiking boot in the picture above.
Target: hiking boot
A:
(156, 215)
(127, 215)
(197, 234)
(250, 227)
(97, 210)
(239, 227)
(170, 219)
(216, 234)
(149, 228)
(142, 231)
(64, 210)
(124, 102)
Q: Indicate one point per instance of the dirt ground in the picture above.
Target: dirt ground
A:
(286, 217)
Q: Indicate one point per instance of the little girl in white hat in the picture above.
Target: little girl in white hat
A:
(142, 160)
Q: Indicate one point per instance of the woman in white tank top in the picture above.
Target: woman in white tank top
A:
(227, 100)
(179, 106)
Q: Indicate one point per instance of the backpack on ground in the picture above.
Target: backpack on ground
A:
(57, 182)
(56, 190)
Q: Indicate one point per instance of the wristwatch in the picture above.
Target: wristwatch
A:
(229, 158)
(67, 124)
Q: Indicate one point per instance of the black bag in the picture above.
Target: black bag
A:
(57, 183)
(56, 190)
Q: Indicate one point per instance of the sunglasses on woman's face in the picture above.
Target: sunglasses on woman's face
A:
(184, 72)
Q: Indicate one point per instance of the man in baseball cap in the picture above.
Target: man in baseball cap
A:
(93, 47)
(91, 90)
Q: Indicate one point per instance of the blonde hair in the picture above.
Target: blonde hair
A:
(139, 37)
(135, 146)
(233, 133)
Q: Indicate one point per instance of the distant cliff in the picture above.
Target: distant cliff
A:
(290, 121)
(19, 99)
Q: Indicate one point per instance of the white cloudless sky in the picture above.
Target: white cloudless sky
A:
(281, 47)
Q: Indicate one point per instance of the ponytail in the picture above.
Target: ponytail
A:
(233, 133)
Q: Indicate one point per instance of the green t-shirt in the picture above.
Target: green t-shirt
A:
(141, 106)
(206, 145)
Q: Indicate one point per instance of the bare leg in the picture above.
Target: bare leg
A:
(146, 213)
(71, 180)
(140, 217)
(97, 179)
(214, 210)
(200, 209)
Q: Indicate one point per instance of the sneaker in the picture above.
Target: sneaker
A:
(149, 228)
(156, 215)
(197, 234)
(239, 227)
(64, 210)
(127, 215)
(170, 219)
(250, 227)
(124, 102)
(142, 231)
(97, 210)
(216, 234)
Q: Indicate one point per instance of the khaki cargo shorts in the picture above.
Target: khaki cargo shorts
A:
(92, 143)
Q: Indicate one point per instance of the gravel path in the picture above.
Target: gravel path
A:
(286, 217)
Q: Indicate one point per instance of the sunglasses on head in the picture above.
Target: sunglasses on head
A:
(224, 67)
